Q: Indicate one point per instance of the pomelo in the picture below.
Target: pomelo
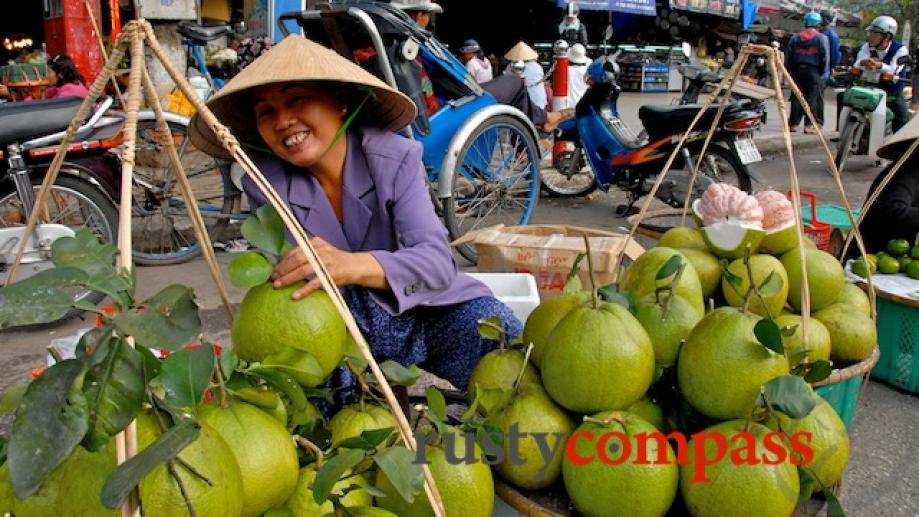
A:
(708, 268)
(818, 343)
(651, 412)
(629, 488)
(829, 440)
(83, 482)
(598, 358)
(667, 323)
(751, 490)
(353, 420)
(854, 297)
(640, 277)
(722, 366)
(545, 317)
(825, 278)
(778, 222)
(730, 239)
(762, 266)
(853, 335)
(683, 237)
(498, 369)
(301, 502)
(44, 503)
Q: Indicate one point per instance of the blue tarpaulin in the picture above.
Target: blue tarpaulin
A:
(645, 7)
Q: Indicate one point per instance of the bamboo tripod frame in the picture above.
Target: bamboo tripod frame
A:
(137, 33)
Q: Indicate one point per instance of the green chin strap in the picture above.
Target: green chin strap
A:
(369, 94)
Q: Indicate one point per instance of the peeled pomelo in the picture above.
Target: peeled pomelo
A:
(630, 488)
(545, 317)
(499, 369)
(598, 358)
(778, 222)
(301, 502)
(730, 239)
(707, 266)
(640, 277)
(825, 278)
(818, 343)
(733, 220)
(353, 420)
(762, 267)
(751, 490)
(667, 323)
(722, 366)
(853, 335)
(683, 237)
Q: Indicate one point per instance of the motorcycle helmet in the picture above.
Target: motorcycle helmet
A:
(884, 25)
(602, 70)
(812, 19)
(572, 10)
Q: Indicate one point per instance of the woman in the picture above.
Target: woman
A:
(64, 78)
(323, 131)
(473, 58)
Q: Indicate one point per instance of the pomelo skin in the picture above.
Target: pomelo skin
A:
(351, 421)
(825, 278)
(853, 335)
(667, 331)
(629, 488)
(707, 266)
(683, 237)
(640, 277)
(498, 369)
(722, 366)
(545, 317)
(762, 266)
(819, 343)
(302, 502)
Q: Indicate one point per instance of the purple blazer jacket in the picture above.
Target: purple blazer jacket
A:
(386, 210)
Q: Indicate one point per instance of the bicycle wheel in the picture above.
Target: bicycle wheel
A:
(162, 229)
(496, 180)
(74, 203)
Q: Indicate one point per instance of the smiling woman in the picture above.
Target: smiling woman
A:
(320, 128)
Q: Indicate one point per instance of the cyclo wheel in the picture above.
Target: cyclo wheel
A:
(496, 180)
(162, 228)
(72, 202)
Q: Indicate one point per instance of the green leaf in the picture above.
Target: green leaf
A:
(491, 329)
(115, 286)
(789, 330)
(152, 365)
(807, 486)
(50, 422)
(354, 355)
(283, 383)
(834, 507)
(669, 268)
(85, 251)
(768, 334)
(612, 293)
(790, 395)
(264, 229)
(819, 370)
(375, 492)
(228, 362)
(127, 476)
(398, 374)
(736, 282)
(169, 320)
(772, 285)
(333, 470)
(114, 389)
(184, 377)
(436, 403)
(377, 436)
(11, 398)
(573, 281)
(249, 269)
(398, 464)
(490, 433)
(299, 364)
(40, 298)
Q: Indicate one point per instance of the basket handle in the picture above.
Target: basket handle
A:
(812, 198)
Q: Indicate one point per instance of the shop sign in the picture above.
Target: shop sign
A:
(620, 6)
(167, 9)
(723, 8)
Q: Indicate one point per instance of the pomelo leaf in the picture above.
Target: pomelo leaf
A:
(129, 474)
(768, 334)
(789, 330)
(734, 281)
(372, 490)
(612, 293)
(152, 365)
(771, 286)
(264, 229)
(398, 464)
(377, 436)
(398, 374)
(819, 371)
(11, 398)
(39, 298)
(228, 362)
(296, 363)
(491, 328)
(333, 470)
(789, 394)
(169, 320)
(807, 486)
(354, 356)
(573, 281)
(249, 269)
(436, 403)
(834, 507)
(114, 389)
(86, 252)
(669, 268)
(185, 376)
(50, 422)
(284, 383)
(491, 433)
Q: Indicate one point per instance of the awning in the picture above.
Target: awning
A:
(645, 7)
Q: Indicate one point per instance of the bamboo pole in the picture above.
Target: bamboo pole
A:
(232, 145)
(92, 19)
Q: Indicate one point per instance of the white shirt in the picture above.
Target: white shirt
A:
(577, 83)
(480, 69)
(533, 74)
(892, 68)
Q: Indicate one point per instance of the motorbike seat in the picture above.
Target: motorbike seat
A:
(203, 32)
(23, 121)
(666, 119)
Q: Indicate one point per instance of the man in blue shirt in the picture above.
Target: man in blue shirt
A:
(835, 56)
(807, 58)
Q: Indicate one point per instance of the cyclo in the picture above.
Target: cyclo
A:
(481, 158)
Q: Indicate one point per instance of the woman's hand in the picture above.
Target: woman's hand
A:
(345, 268)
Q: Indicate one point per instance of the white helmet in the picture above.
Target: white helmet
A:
(885, 25)
(573, 10)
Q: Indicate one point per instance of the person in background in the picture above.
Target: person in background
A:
(835, 56)
(577, 72)
(571, 29)
(419, 10)
(533, 74)
(807, 58)
(471, 55)
(64, 78)
(881, 52)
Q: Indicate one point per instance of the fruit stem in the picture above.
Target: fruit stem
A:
(162, 426)
(753, 290)
(590, 269)
(502, 342)
(178, 480)
(615, 417)
(671, 290)
(526, 362)
(221, 387)
(312, 447)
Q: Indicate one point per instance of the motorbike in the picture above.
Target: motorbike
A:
(864, 118)
(701, 79)
(82, 194)
(615, 156)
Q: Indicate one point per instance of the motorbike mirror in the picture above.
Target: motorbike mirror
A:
(905, 60)
(686, 48)
(608, 33)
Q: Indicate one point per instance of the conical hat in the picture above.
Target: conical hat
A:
(295, 58)
(897, 143)
(521, 52)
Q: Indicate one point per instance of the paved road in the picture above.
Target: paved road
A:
(883, 472)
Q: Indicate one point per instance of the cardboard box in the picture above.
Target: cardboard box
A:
(547, 251)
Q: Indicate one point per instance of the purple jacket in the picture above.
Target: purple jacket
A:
(387, 210)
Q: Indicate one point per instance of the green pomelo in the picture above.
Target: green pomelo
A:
(667, 324)
(47, 502)
(598, 359)
(83, 482)
(264, 450)
(532, 411)
(210, 455)
(545, 317)
(629, 488)
(818, 337)
(853, 335)
(683, 237)
(751, 490)
(780, 241)
(467, 489)
(301, 503)
(369, 511)
(300, 365)
(497, 370)
(722, 366)
(762, 266)
(640, 277)
(707, 267)
(854, 297)
(351, 421)
(268, 321)
(829, 440)
(652, 413)
(825, 278)
(729, 239)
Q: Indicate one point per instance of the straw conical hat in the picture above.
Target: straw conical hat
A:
(521, 52)
(295, 59)
(897, 143)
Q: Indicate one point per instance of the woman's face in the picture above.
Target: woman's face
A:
(298, 121)
(52, 76)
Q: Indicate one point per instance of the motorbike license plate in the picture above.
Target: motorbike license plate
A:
(747, 151)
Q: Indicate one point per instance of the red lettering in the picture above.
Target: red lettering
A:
(805, 454)
(557, 282)
(682, 457)
(625, 444)
(775, 447)
(701, 460)
(660, 446)
(737, 457)
(571, 448)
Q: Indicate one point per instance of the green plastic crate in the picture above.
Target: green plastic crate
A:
(843, 396)
(898, 339)
(834, 215)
